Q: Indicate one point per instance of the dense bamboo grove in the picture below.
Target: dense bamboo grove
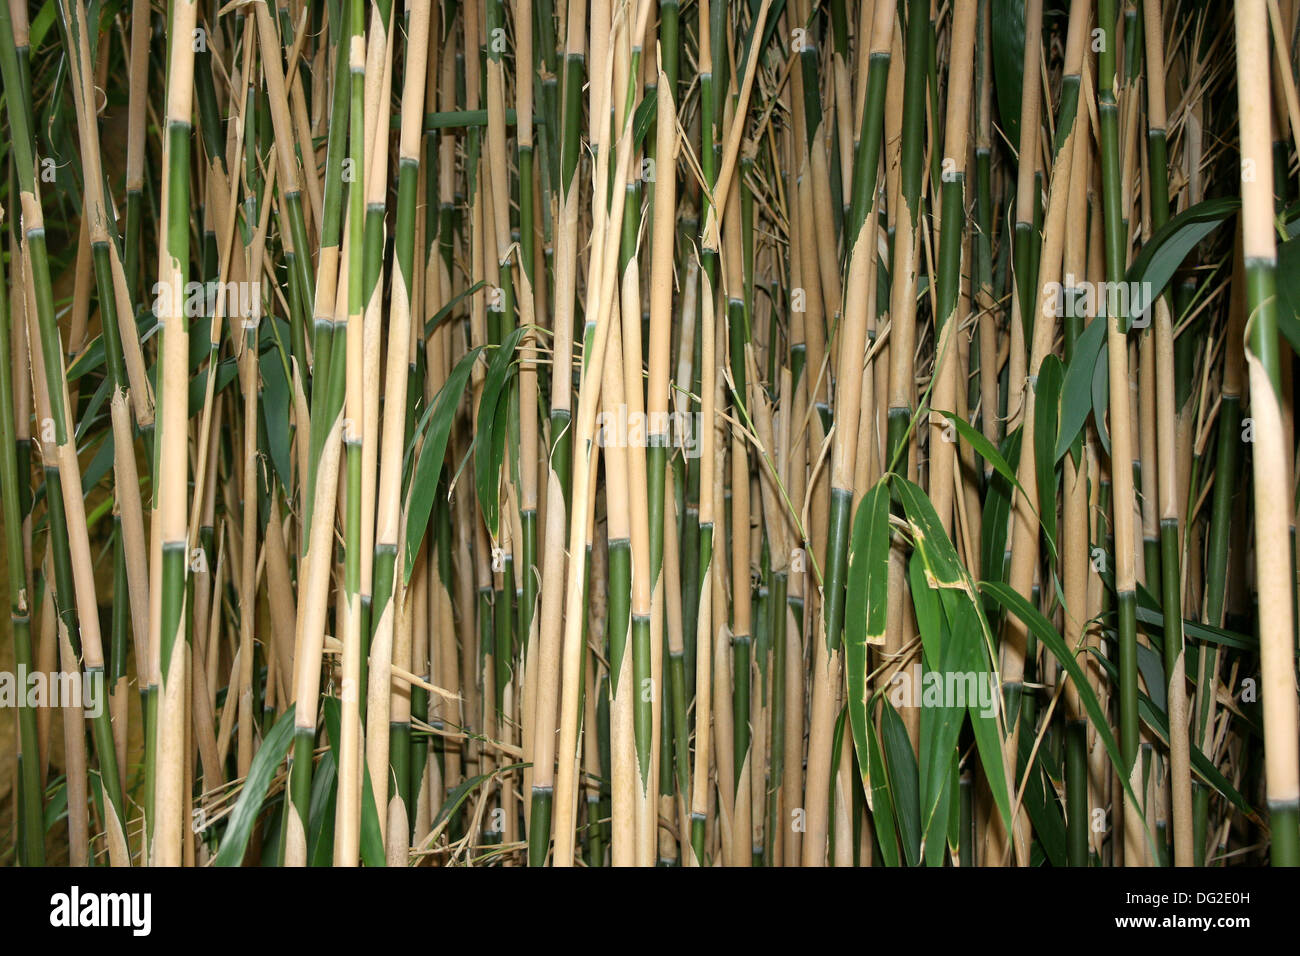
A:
(650, 432)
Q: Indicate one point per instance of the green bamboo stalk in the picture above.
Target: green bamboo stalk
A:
(351, 767)
(31, 803)
(1114, 225)
(1166, 432)
(63, 479)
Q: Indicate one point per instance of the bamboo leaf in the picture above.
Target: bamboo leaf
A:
(866, 605)
(879, 799)
(943, 567)
(997, 512)
(252, 795)
(1101, 397)
(1048, 392)
(1008, 18)
(1076, 388)
(984, 448)
(492, 425)
(444, 313)
(1163, 254)
(901, 770)
(1047, 635)
(424, 482)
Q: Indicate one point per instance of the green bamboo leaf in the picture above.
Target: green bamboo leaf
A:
(226, 372)
(492, 425)
(901, 771)
(1051, 376)
(1041, 804)
(1101, 397)
(424, 482)
(1008, 21)
(958, 642)
(1076, 388)
(942, 564)
(87, 360)
(1288, 291)
(954, 809)
(989, 745)
(876, 784)
(275, 406)
(1152, 619)
(41, 24)
(984, 448)
(1152, 669)
(91, 417)
(324, 798)
(644, 120)
(252, 795)
(56, 806)
(100, 465)
(1162, 255)
(866, 601)
(1042, 629)
(445, 312)
(457, 796)
(997, 511)
(929, 620)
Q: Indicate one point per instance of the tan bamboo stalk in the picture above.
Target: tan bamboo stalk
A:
(168, 646)
(1027, 152)
(946, 374)
(741, 544)
(74, 742)
(380, 690)
(1121, 443)
(626, 789)
(282, 124)
(731, 152)
(665, 588)
(700, 785)
(546, 706)
(314, 584)
(600, 303)
(378, 102)
(248, 559)
(1170, 499)
(723, 796)
(795, 399)
(1148, 500)
(1272, 485)
(528, 464)
(823, 681)
(1076, 548)
(644, 616)
(1024, 541)
(897, 385)
(988, 348)
(814, 315)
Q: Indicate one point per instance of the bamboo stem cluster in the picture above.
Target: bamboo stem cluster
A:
(634, 432)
